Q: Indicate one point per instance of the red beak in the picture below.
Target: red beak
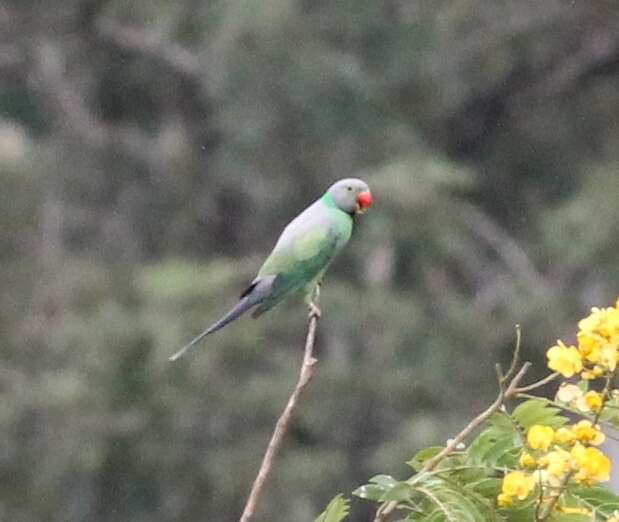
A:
(365, 200)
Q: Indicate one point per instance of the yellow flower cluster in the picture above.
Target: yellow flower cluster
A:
(597, 352)
(552, 459)
(542, 437)
(551, 454)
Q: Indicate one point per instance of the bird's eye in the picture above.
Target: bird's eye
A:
(349, 188)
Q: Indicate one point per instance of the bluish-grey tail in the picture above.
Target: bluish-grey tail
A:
(241, 307)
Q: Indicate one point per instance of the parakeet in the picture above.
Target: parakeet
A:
(302, 253)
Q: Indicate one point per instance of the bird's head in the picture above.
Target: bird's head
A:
(351, 195)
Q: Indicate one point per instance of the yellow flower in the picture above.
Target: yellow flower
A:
(556, 462)
(589, 346)
(518, 484)
(598, 340)
(504, 500)
(608, 356)
(563, 359)
(593, 321)
(591, 465)
(565, 436)
(585, 432)
(540, 437)
(594, 400)
(602, 321)
(527, 461)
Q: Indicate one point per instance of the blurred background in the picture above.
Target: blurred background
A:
(150, 154)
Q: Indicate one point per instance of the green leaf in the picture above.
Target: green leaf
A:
(501, 422)
(379, 486)
(470, 475)
(450, 513)
(454, 505)
(421, 457)
(602, 499)
(445, 500)
(492, 448)
(488, 487)
(453, 461)
(336, 511)
(524, 513)
(536, 411)
(485, 504)
(399, 493)
(503, 454)
(384, 481)
(369, 492)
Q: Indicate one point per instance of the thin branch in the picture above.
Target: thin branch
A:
(477, 421)
(537, 384)
(515, 356)
(281, 428)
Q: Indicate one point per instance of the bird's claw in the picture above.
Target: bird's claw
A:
(314, 311)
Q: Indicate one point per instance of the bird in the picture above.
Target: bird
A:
(301, 255)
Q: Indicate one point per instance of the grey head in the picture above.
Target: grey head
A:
(351, 195)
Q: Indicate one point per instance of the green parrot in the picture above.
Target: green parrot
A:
(302, 253)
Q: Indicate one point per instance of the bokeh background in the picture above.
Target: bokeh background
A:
(150, 154)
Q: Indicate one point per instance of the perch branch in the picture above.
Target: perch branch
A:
(281, 428)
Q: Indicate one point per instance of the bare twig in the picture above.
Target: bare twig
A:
(281, 428)
(515, 356)
(537, 384)
(477, 421)
(504, 393)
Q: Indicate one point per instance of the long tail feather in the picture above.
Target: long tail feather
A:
(241, 307)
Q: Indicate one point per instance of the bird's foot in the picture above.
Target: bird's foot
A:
(314, 311)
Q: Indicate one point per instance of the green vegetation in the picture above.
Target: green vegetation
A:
(150, 153)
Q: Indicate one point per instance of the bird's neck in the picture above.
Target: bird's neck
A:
(329, 202)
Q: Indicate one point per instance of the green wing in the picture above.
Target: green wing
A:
(297, 263)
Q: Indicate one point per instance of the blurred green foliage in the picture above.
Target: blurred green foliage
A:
(150, 154)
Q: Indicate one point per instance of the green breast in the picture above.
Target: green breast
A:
(306, 248)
